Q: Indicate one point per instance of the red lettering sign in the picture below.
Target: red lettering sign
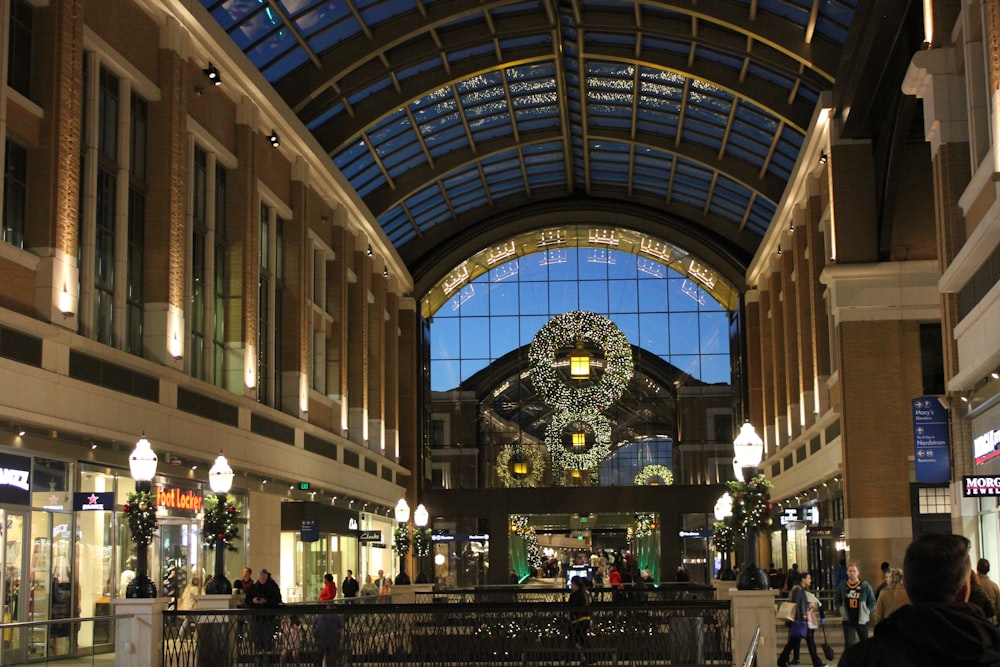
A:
(177, 499)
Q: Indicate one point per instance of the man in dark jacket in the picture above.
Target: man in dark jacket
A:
(262, 594)
(349, 587)
(938, 627)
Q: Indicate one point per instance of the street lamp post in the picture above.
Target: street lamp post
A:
(220, 478)
(402, 518)
(420, 519)
(724, 510)
(749, 451)
(142, 464)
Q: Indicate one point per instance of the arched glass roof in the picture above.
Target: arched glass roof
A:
(441, 113)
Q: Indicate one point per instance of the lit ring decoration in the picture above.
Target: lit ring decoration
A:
(563, 458)
(652, 472)
(564, 330)
(531, 456)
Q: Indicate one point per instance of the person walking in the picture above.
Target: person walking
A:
(579, 616)
(937, 628)
(329, 591)
(856, 602)
(350, 586)
(800, 599)
(892, 597)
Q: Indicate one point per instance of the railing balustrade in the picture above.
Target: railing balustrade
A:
(683, 632)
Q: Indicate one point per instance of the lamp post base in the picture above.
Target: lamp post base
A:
(141, 587)
(218, 585)
(752, 578)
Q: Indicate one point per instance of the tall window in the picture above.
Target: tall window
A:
(19, 47)
(269, 306)
(136, 225)
(220, 274)
(107, 187)
(115, 126)
(207, 342)
(199, 264)
(15, 193)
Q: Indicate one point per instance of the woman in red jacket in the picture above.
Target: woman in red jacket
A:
(329, 591)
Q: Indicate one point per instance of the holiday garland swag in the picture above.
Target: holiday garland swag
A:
(140, 511)
(219, 524)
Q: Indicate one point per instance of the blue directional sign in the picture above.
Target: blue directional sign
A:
(931, 440)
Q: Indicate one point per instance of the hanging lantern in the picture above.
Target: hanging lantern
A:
(579, 362)
(579, 440)
(575, 474)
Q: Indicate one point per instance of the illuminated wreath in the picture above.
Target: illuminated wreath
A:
(529, 455)
(564, 330)
(652, 473)
(589, 458)
(644, 524)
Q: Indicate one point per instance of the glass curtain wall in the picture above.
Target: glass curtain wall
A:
(485, 410)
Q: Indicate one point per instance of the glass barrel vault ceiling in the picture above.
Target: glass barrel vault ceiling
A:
(443, 112)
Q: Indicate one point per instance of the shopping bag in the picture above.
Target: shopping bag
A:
(812, 617)
(799, 629)
(786, 611)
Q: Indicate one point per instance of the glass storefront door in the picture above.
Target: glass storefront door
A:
(18, 600)
(178, 547)
(51, 581)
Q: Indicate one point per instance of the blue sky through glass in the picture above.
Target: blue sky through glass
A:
(656, 308)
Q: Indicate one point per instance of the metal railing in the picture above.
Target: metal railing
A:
(59, 641)
(626, 593)
(654, 633)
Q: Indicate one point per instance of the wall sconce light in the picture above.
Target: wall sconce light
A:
(212, 72)
(791, 227)
(369, 251)
(385, 273)
(779, 250)
(995, 375)
(823, 158)
(275, 141)
(20, 431)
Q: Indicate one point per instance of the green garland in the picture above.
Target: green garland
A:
(219, 522)
(140, 512)
(563, 331)
(421, 542)
(723, 538)
(401, 540)
(751, 504)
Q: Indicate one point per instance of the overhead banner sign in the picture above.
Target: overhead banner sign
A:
(931, 441)
(309, 531)
(84, 501)
(459, 538)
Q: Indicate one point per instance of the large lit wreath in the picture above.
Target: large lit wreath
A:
(529, 455)
(589, 458)
(644, 524)
(140, 510)
(654, 473)
(563, 331)
(219, 523)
